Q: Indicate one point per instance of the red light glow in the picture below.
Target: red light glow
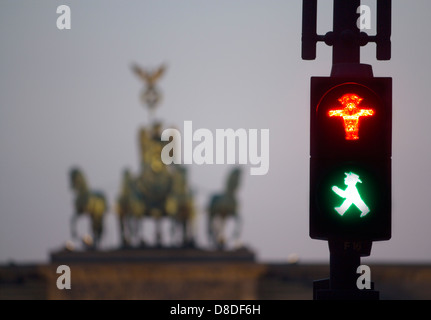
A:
(351, 114)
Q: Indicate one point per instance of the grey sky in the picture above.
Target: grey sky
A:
(69, 98)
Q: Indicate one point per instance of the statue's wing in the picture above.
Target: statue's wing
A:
(158, 73)
(140, 73)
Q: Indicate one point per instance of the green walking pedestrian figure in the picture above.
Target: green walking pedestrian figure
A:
(351, 194)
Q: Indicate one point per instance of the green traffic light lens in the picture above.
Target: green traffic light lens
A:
(351, 196)
(348, 195)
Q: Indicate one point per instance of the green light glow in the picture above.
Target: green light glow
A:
(351, 194)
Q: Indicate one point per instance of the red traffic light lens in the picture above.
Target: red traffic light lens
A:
(351, 114)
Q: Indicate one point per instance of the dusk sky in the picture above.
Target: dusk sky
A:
(69, 97)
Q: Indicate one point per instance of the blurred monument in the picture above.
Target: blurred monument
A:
(158, 191)
(171, 265)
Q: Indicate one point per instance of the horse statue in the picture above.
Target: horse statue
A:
(181, 209)
(131, 210)
(222, 207)
(91, 203)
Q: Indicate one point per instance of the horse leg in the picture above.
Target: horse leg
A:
(73, 225)
(97, 225)
(237, 231)
(189, 232)
(211, 229)
(124, 238)
(184, 233)
(218, 232)
(158, 231)
(139, 234)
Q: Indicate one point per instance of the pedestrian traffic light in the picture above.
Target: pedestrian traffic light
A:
(350, 164)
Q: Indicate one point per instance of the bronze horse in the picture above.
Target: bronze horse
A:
(181, 209)
(222, 207)
(130, 210)
(91, 203)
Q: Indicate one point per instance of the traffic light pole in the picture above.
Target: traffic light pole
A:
(345, 257)
(345, 35)
(346, 40)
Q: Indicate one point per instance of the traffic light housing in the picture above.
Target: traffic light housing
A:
(350, 163)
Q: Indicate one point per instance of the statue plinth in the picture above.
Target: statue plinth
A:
(157, 274)
(65, 256)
